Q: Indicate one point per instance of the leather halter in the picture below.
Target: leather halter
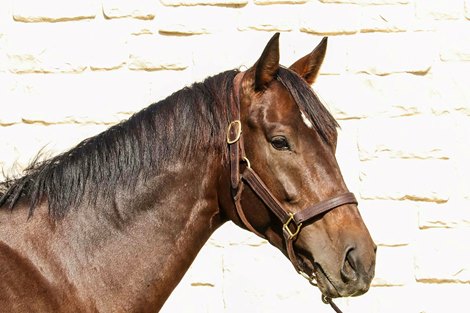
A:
(292, 221)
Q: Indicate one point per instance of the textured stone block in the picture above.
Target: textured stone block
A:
(128, 27)
(141, 9)
(336, 59)
(99, 97)
(186, 21)
(384, 300)
(389, 18)
(270, 18)
(381, 54)
(453, 48)
(152, 53)
(347, 154)
(3, 53)
(442, 256)
(406, 94)
(163, 83)
(261, 279)
(53, 10)
(330, 19)
(454, 214)
(419, 137)
(350, 96)
(108, 46)
(34, 48)
(418, 180)
(385, 96)
(229, 3)
(367, 1)
(438, 298)
(394, 267)
(451, 89)
(264, 2)
(22, 142)
(226, 53)
(183, 27)
(439, 9)
(462, 156)
(5, 13)
(383, 217)
(467, 9)
(10, 111)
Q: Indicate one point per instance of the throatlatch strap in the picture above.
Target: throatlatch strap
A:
(241, 213)
(260, 189)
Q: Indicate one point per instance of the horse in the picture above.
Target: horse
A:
(113, 224)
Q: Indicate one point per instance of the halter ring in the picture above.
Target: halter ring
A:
(286, 228)
(237, 128)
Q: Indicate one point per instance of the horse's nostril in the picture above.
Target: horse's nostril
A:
(348, 270)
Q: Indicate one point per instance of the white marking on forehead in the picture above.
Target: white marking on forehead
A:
(306, 120)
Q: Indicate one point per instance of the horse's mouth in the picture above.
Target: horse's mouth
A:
(328, 288)
(325, 284)
(322, 280)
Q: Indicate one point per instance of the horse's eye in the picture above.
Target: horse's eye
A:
(280, 143)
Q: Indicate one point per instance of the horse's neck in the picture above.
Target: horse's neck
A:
(177, 212)
(131, 258)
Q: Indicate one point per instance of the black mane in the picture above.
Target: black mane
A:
(189, 120)
(173, 128)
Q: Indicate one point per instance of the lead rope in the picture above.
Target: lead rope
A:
(328, 300)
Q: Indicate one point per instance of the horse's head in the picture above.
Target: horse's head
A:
(289, 140)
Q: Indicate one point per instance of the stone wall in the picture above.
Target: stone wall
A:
(396, 76)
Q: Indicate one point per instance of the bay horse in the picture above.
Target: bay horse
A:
(113, 224)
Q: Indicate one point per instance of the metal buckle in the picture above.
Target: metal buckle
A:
(248, 164)
(312, 279)
(287, 229)
(238, 131)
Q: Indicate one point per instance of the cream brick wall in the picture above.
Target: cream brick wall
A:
(396, 76)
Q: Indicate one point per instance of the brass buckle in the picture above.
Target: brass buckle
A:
(312, 279)
(238, 132)
(248, 164)
(287, 229)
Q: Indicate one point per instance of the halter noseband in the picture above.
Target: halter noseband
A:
(292, 222)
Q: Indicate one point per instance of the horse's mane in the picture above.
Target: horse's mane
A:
(189, 120)
(172, 129)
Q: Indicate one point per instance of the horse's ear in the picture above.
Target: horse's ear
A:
(308, 67)
(268, 64)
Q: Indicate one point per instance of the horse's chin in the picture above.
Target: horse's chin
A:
(324, 283)
(321, 279)
(329, 288)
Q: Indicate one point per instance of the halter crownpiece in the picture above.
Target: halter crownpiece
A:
(292, 221)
